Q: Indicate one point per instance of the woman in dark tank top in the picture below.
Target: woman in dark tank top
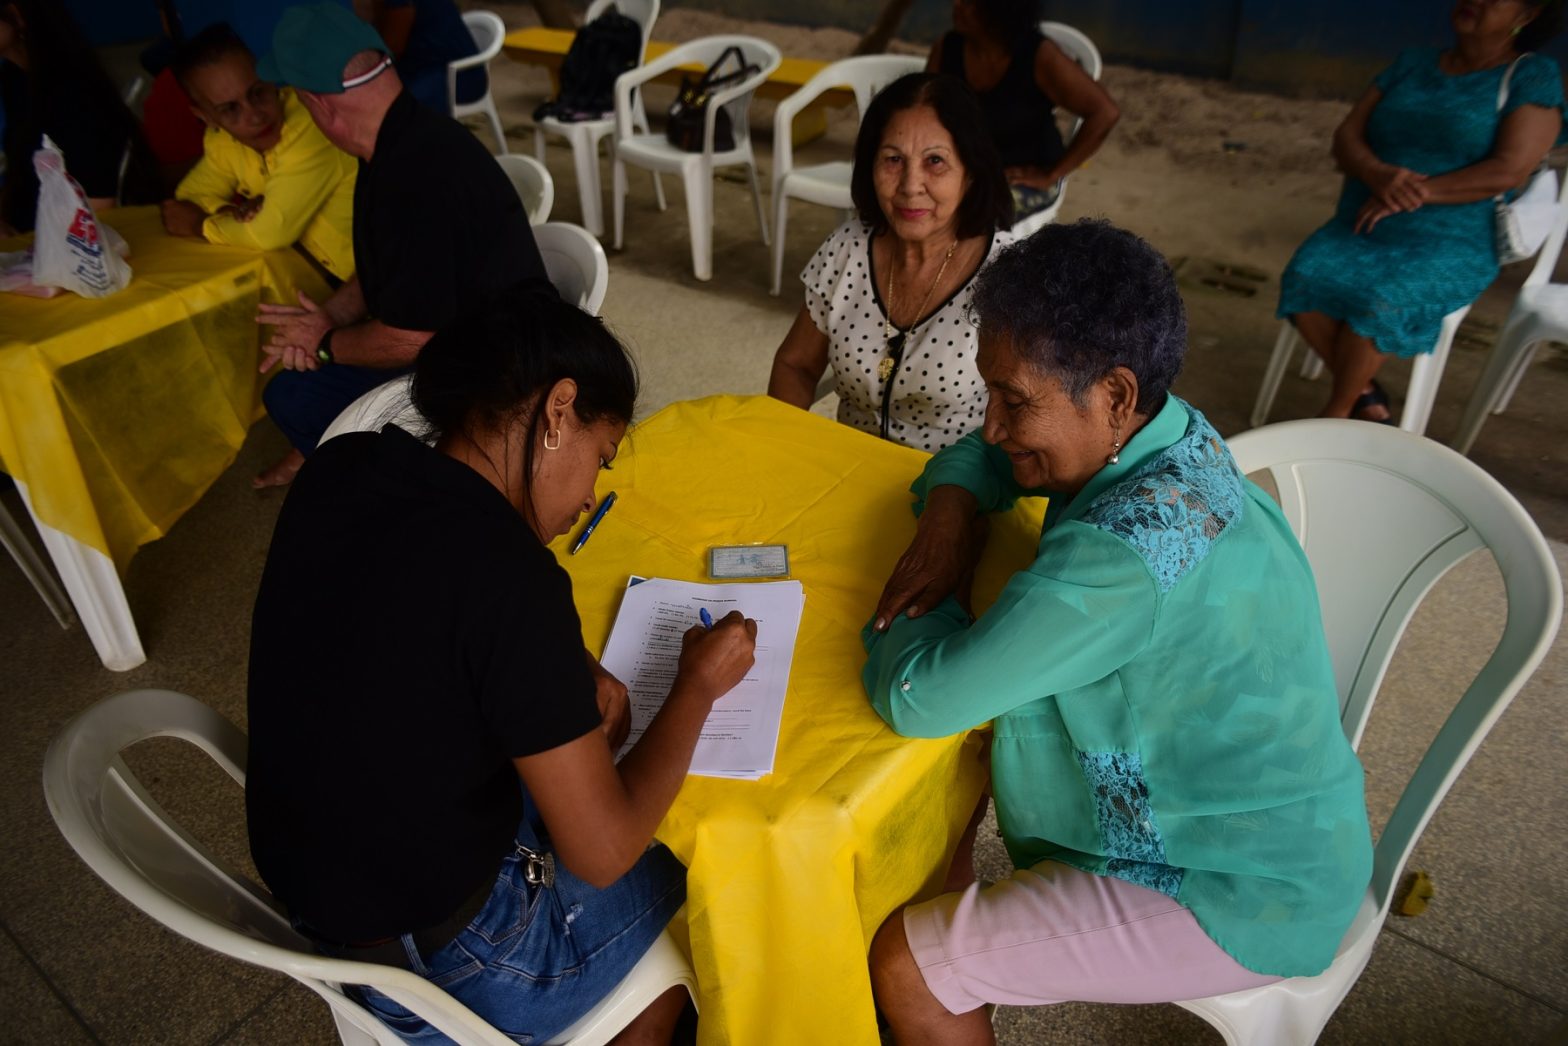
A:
(1020, 77)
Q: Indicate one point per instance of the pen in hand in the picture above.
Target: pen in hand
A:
(582, 539)
(706, 618)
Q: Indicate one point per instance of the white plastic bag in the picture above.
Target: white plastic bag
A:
(71, 248)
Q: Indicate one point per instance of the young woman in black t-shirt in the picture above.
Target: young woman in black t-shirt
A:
(415, 651)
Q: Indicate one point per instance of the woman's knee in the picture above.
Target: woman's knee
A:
(893, 968)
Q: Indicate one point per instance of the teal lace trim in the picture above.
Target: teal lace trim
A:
(1128, 831)
(1173, 509)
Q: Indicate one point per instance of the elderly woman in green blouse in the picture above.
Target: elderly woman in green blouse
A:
(1170, 776)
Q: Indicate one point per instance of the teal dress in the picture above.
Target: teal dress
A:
(1395, 284)
(1161, 694)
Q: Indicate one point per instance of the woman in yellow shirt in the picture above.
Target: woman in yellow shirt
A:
(267, 178)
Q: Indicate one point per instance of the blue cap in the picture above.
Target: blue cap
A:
(313, 43)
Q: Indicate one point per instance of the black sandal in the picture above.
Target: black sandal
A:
(1376, 397)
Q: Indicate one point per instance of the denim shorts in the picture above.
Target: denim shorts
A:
(1027, 199)
(536, 958)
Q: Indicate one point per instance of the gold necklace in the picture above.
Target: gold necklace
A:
(893, 339)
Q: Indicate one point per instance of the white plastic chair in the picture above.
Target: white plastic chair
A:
(1426, 372)
(585, 135)
(125, 837)
(1382, 515)
(576, 263)
(131, 93)
(387, 404)
(651, 151)
(488, 31)
(33, 568)
(1080, 49)
(826, 184)
(581, 273)
(1539, 313)
(533, 183)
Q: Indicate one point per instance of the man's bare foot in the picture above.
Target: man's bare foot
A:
(281, 474)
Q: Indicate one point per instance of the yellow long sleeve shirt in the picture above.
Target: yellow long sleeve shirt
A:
(308, 183)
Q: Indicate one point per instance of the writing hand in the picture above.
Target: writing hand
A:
(713, 660)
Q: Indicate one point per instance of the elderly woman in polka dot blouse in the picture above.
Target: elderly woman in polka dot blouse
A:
(887, 295)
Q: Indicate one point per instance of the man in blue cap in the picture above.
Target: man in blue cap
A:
(438, 229)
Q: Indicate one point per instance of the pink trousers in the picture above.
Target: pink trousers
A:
(1055, 934)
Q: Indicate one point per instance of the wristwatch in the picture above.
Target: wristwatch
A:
(324, 348)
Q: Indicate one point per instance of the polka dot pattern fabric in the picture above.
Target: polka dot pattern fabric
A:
(937, 393)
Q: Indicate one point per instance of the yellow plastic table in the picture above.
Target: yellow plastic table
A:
(791, 875)
(117, 414)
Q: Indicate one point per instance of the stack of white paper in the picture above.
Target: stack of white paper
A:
(741, 735)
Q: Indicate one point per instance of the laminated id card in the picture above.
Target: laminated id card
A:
(731, 561)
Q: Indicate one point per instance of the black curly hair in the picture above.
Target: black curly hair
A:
(1079, 300)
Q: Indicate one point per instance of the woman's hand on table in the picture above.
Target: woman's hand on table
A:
(297, 330)
(940, 562)
(614, 704)
(182, 218)
(714, 660)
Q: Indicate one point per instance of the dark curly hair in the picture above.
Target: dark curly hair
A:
(1547, 23)
(208, 47)
(1080, 300)
(988, 204)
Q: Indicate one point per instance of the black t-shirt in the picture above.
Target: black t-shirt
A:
(438, 228)
(411, 636)
(1018, 114)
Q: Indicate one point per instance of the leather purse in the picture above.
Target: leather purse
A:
(688, 113)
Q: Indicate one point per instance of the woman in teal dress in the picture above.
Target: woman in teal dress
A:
(1424, 152)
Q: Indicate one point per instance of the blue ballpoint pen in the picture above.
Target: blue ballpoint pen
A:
(604, 506)
(707, 618)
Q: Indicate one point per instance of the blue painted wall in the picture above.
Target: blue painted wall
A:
(1318, 47)
(1322, 47)
(1337, 46)
(129, 21)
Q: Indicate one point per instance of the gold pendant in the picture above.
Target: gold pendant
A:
(885, 368)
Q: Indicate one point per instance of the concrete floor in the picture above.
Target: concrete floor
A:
(1487, 963)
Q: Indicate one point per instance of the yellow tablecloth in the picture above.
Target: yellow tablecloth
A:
(791, 875)
(119, 412)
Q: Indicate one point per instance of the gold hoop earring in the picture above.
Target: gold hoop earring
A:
(557, 444)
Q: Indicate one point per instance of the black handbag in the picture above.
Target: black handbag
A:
(688, 112)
